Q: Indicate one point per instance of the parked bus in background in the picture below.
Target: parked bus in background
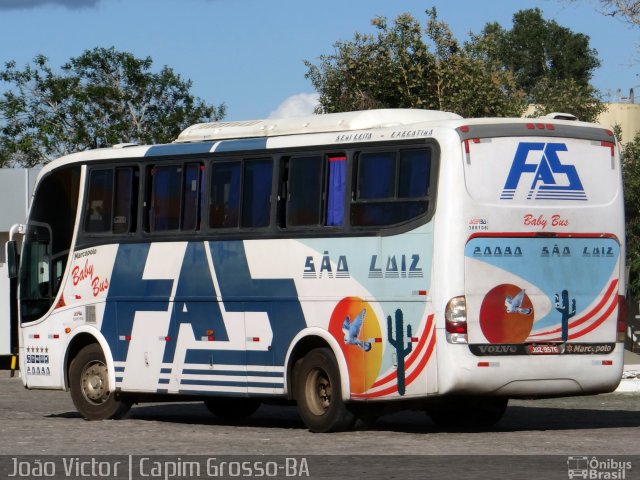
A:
(352, 263)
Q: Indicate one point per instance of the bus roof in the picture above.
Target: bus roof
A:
(330, 122)
(273, 133)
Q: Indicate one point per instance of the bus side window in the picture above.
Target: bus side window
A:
(374, 188)
(391, 187)
(283, 193)
(256, 193)
(191, 196)
(224, 200)
(175, 197)
(376, 175)
(304, 198)
(165, 198)
(125, 201)
(97, 218)
(415, 170)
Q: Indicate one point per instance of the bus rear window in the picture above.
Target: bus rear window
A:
(540, 171)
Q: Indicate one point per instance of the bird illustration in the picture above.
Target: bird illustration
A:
(513, 304)
(352, 331)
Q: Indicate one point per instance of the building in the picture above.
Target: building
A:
(16, 185)
(627, 115)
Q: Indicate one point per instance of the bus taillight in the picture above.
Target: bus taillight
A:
(622, 318)
(456, 320)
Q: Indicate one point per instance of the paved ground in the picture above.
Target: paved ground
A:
(631, 376)
(534, 439)
(631, 358)
(45, 422)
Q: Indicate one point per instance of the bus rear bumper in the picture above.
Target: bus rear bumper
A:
(526, 376)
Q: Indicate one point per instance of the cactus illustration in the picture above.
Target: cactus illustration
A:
(398, 344)
(567, 313)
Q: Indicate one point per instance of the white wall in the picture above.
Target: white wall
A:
(5, 312)
(627, 115)
(16, 187)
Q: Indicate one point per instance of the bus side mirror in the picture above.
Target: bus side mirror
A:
(11, 250)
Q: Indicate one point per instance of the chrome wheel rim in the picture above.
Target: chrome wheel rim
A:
(95, 383)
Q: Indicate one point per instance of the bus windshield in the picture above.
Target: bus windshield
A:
(35, 285)
(47, 241)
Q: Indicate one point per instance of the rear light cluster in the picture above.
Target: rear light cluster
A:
(622, 318)
(540, 126)
(455, 316)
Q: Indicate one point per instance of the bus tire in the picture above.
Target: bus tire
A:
(468, 412)
(90, 389)
(233, 408)
(318, 393)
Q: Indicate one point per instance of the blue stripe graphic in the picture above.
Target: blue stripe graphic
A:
(178, 149)
(230, 384)
(191, 371)
(241, 145)
(196, 304)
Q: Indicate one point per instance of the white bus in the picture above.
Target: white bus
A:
(352, 263)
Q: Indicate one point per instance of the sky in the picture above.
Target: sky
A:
(249, 54)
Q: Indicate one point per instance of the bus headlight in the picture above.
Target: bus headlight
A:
(455, 316)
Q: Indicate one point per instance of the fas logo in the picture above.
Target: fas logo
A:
(550, 179)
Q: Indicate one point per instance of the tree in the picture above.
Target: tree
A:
(567, 96)
(101, 98)
(628, 10)
(397, 69)
(551, 64)
(495, 73)
(535, 49)
(631, 177)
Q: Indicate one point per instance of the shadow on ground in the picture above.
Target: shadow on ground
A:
(517, 418)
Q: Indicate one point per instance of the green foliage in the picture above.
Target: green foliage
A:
(631, 177)
(567, 96)
(538, 50)
(101, 98)
(400, 68)
(495, 73)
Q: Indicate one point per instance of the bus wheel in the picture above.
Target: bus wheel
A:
(468, 412)
(89, 385)
(319, 395)
(232, 407)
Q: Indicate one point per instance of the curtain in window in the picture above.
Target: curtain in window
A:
(336, 191)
